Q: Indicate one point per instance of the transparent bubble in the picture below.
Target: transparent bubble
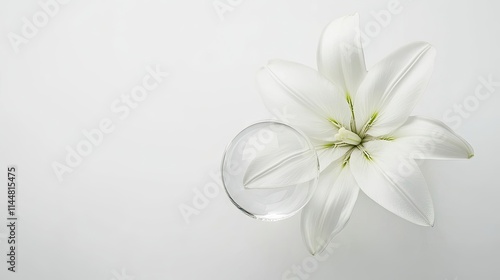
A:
(270, 170)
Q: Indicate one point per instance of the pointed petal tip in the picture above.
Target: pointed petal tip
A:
(470, 150)
(424, 44)
(265, 67)
(425, 222)
(317, 250)
(312, 252)
(354, 15)
(433, 222)
(430, 218)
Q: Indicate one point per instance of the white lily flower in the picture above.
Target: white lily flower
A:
(359, 123)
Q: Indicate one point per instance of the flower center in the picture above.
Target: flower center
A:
(347, 137)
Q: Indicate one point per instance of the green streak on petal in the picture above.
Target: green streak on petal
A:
(372, 119)
(365, 152)
(334, 145)
(367, 155)
(348, 97)
(351, 106)
(335, 123)
(329, 145)
(369, 124)
(347, 157)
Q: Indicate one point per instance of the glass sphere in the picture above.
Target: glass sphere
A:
(270, 170)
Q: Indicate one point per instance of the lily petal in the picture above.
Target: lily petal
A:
(340, 54)
(328, 156)
(391, 89)
(281, 167)
(431, 139)
(329, 209)
(303, 98)
(393, 181)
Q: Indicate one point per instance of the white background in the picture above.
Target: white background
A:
(116, 216)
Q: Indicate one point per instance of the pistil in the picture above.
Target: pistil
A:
(347, 136)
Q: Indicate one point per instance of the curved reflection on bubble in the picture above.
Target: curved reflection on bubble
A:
(270, 170)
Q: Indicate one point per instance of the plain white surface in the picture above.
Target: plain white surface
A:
(116, 216)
